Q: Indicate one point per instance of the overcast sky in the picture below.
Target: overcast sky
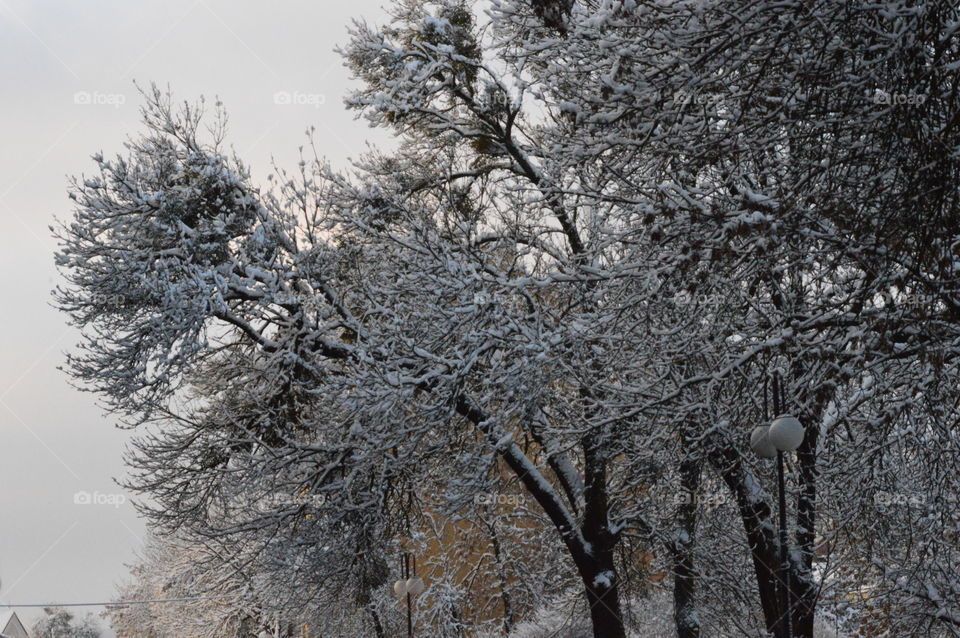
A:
(66, 81)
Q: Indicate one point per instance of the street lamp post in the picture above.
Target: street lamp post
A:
(409, 586)
(784, 434)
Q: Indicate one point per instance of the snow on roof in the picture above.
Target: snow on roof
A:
(10, 621)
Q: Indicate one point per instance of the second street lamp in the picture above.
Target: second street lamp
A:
(784, 434)
(409, 587)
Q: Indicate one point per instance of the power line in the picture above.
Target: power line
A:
(124, 603)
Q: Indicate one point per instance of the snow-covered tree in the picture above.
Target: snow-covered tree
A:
(606, 226)
(60, 623)
(200, 597)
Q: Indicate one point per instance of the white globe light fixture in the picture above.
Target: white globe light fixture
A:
(415, 586)
(760, 442)
(409, 589)
(786, 433)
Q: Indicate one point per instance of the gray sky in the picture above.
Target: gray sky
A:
(66, 91)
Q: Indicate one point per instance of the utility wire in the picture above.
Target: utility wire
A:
(123, 603)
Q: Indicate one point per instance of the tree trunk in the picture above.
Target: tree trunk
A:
(766, 564)
(804, 589)
(377, 625)
(599, 572)
(592, 544)
(508, 617)
(603, 596)
(758, 524)
(684, 575)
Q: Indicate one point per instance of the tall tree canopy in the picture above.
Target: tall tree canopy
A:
(605, 226)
